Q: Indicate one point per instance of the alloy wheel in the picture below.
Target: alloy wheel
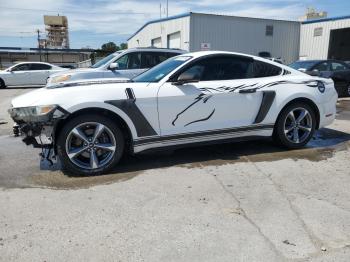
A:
(298, 125)
(90, 145)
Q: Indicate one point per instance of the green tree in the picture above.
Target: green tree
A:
(109, 47)
(123, 46)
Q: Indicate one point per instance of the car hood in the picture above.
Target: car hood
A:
(70, 96)
(88, 81)
(74, 71)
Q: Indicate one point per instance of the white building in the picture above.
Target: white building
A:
(327, 38)
(197, 31)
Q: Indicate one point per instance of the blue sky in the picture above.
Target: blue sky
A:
(94, 22)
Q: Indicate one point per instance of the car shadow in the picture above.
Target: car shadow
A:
(322, 146)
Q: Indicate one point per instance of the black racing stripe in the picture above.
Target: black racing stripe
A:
(201, 120)
(199, 134)
(129, 93)
(129, 107)
(180, 140)
(266, 103)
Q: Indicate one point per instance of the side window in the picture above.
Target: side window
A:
(129, 61)
(39, 67)
(134, 61)
(151, 59)
(122, 62)
(161, 57)
(22, 67)
(262, 69)
(222, 68)
(324, 66)
(338, 66)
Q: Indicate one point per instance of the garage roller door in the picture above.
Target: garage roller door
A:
(174, 40)
(157, 42)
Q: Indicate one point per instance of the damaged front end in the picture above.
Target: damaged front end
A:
(37, 125)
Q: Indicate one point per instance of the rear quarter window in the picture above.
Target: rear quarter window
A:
(262, 69)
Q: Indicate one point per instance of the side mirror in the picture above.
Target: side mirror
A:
(302, 70)
(114, 66)
(315, 72)
(186, 77)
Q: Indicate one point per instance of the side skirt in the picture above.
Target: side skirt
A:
(216, 136)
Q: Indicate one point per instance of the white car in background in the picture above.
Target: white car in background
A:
(121, 64)
(28, 74)
(193, 98)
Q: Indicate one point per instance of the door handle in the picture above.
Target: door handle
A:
(247, 91)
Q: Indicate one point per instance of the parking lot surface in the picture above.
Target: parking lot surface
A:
(247, 201)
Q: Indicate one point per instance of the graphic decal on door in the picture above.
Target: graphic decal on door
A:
(208, 92)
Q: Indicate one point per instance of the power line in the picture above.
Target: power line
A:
(71, 11)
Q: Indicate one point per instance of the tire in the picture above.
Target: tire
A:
(297, 134)
(81, 154)
(2, 84)
(347, 91)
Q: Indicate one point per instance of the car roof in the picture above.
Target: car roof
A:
(320, 61)
(29, 62)
(152, 49)
(258, 58)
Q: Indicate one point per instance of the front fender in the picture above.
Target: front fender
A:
(108, 107)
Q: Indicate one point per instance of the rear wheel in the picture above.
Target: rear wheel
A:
(348, 90)
(90, 145)
(2, 84)
(295, 126)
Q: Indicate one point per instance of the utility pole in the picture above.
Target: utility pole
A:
(38, 32)
(160, 10)
(167, 8)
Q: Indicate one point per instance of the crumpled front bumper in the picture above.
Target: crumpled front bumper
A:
(37, 130)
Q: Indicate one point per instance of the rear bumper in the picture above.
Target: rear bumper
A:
(328, 110)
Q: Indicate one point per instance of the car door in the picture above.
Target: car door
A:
(323, 69)
(18, 75)
(340, 76)
(129, 66)
(216, 102)
(39, 73)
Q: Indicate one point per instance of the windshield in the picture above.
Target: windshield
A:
(104, 60)
(302, 64)
(158, 72)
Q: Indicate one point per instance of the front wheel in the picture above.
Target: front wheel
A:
(295, 126)
(90, 145)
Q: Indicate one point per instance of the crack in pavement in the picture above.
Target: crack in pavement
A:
(315, 240)
(245, 216)
(318, 198)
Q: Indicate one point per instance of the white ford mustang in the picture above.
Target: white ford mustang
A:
(192, 98)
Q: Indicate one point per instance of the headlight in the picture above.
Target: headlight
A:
(22, 112)
(62, 78)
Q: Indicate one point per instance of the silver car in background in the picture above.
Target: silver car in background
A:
(124, 64)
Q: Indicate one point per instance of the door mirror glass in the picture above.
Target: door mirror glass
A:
(114, 66)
